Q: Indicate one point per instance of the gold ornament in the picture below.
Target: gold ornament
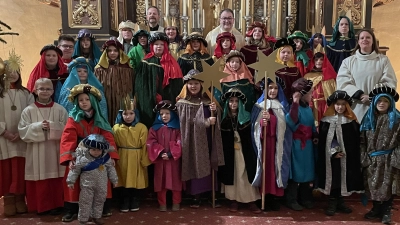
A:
(211, 75)
(266, 65)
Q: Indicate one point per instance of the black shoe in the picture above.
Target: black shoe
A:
(332, 206)
(375, 212)
(125, 205)
(134, 205)
(69, 217)
(56, 211)
(195, 203)
(294, 205)
(308, 204)
(217, 203)
(387, 212)
(341, 207)
(43, 213)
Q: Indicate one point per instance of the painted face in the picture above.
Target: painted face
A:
(234, 63)
(365, 40)
(44, 91)
(158, 48)
(318, 62)
(171, 32)
(257, 33)
(152, 15)
(13, 77)
(85, 42)
(307, 97)
(67, 48)
(82, 74)
(226, 21)
(95, 152)
(344, 26)
(286, 54)
(165, 115)
(143, 40)
(340, 106)
(226, 43)
(299, 44)
(382, 105)
(51, 58)
(194, 87)
(112, 52)
(128, 116)
(127, 34)
(84, 102)
(233, 104)
(195, 44)
(272, 90)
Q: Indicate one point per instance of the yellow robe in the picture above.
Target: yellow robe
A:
(133, 158)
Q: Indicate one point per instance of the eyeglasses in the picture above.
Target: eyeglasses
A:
(67, 46)
(44, 89)
(226, 18)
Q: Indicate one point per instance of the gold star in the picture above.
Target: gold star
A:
(266, 65)
(211, 74)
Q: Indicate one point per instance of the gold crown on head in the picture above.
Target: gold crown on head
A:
(128, 103)
(170, 21)
(319, 48)
(84, 88)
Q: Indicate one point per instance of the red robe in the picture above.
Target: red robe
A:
(250, 55)
(167, 173)
(288, 75)
(73, 133)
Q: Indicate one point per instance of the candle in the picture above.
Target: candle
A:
(167, 8)
(289, 7)
(193, 25)
(198, 18)
(247, 7)
(204, 21)
(265, 8)
(146, 5)
(184, 7)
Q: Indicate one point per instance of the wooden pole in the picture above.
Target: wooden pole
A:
(212, 141)
(264, 143)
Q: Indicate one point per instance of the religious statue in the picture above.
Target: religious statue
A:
(215, 5)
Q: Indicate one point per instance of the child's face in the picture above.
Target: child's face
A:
(195, 44)
(286, 54)
(158, 47)
(272, 90)
(226, 43)
(234, 63)
(299, 44)
(257, 33)
(340, 106)
(194, 87)
(233, 104)
(307, 97)
(112, 52)
(51, 58)
(317, 40)
(44, 91)
(83, 75)
(84, 102)
(14, 76)
(318, 62)
(382, 105)
(165, 115)
(128, 116)
(143, 40)
(95, 152)
(85, 42)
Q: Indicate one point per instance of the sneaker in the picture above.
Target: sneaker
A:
(176, 207)
(134, 206)
(195, 203)
(106, 212)
(69, 217)
(125, 206)
(98, 221)
(163, 208)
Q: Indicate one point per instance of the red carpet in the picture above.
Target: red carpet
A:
(206, 215)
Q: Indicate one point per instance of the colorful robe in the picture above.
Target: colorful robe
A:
(250, 54)
(288, 75)
(188, 62)
(341, 50)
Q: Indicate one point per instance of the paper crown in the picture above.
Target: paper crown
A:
(234, 92)
(84, 88)
(319, 48)
(170, 21)
(128, 103)
(13, 64)
(315, 30)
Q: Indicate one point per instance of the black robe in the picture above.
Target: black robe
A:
(188, 62)
(226, 172)
(351, 140)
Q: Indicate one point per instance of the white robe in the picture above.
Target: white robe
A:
(211, 39)
(42, 160)
(363, 72)
(9, 121)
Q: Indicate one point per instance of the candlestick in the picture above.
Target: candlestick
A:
(146, 5)
(289, 7)
(167, 8)
(193, 25)
(247, 19)
(265, 9)
(198, 18)
(247, 7)
(185, 23)
(184, 7)
(204, 20)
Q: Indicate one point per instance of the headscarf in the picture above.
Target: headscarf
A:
(242, 73)
(281, 95)
(96, 53)
(218, 47)
(243, 115)
(125, 24)
(120, 118)
(336, 34)
(173, 122)
(327, 69)
(289, 63)
(311, 41)
(333, 98)
(104, 61)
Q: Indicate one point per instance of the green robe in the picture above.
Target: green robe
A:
(136, 54)
(244, 86)
(148, 83)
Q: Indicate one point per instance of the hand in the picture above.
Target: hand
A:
(212, 120)
(364, 99)
(71, 186)
(16, 137)
(164, 156)
(45, 125)
(113, 162)
(213, 107)
(8, 135)
(296, 97)
(265, 118)
(71, 165)
(315, 141)
(339, 155)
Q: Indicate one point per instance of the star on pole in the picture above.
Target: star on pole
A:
(266, 65)
(211, 75)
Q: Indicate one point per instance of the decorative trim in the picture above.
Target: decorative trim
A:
(84, 14)
(293, 12)
(357, 9)
(140, 12)
(117, 14)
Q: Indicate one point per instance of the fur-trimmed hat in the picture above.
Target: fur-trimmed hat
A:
(196, 36)
(158, 36)
(126, 24)
(84, 88)
(337, 95)
(96, 141)
(234, 53)
(191, 75)
(164, 104)
(85, 33)
(283, 42)
(226, 35)
(51, 47)
(234, 92)
(302, 85)
(380, 89)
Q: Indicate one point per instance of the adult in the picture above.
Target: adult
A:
(140, 49)
(342, 43)
(86, 47)
(153, 18)
(49, 66)
(66, 45)
(158, 77)
(175, 39)
(126, 29)
(360, 72)
(226, 20)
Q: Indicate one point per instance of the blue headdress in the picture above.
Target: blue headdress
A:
(281, 96)
(96, 52)
(128, 103)
(174, 120)
(311, 41)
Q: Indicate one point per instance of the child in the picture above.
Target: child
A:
(240, 160)
(84, 119)
(41, 126)
(165, 151)
(94, 166)
(302, 59)
(380, 151)
(278, 143)
(130, 136)
(80, 73)
(225, 43)
(200, 155)
(13, 99)
(239, 76)
(86, 47)
(338, 164)
(301, 121)
(323, 77)
(140, 49)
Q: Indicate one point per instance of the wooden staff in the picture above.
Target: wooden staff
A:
(264, 142)
(212, 141)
